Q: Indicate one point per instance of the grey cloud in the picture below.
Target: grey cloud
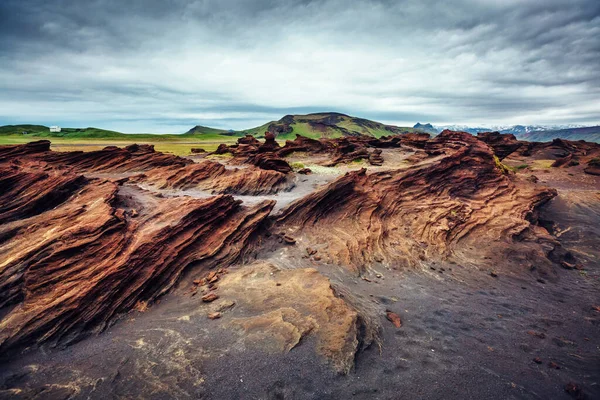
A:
(232, 63)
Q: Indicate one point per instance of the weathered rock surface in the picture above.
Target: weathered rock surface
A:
(503, 144)
(74, 259)
(460, 204)
(279, 308)
(162, 170)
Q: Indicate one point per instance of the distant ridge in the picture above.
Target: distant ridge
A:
(589, 134)
(326, 125)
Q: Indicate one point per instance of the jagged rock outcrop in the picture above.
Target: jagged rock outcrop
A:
(249, 150)
(217, 178)
(375, 157)
(503, 144)
(444, 209)
(144, 165)
(70, 267)
(304, 144)
(593, 166)
(564, 153)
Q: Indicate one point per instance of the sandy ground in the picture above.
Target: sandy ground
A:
(464, 334)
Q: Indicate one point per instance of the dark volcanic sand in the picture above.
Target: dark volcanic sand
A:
(458, 340)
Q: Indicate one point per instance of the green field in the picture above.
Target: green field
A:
(89, 139)
(319, 125)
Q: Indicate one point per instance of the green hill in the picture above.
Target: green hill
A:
(326, 125)
(319, 125)
(40, 131)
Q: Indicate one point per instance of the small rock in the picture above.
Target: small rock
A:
(211, 275)
(537, 360)
(289, 240)
(554, 365)
(539, 335)
(207, 298)
(317, 258)
(567, 265)
(225, 305)
(305, 171)
(310, 251)
(574, 390)
(214, 315)
(133, 213)
(379, 275)
(493, 274)
(540, 280)
(393, 318)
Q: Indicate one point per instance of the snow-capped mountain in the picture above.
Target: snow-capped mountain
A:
(516, 130)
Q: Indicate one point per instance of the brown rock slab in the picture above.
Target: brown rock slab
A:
(394, 318)
(210, 297)
(214, 315)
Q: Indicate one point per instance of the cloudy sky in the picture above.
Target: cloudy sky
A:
(166, 65)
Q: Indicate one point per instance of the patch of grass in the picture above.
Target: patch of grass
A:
(522, 166)
(225, 156)
(297, 165)
(175, 144)
(541, 164)
(505, 169)
(594, 162)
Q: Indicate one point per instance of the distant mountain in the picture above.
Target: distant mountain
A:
(426, 128)
(540, 133)
(589, 134)
(42, 131)
(204, 130)
(326, 125)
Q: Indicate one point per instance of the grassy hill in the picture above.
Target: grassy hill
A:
(43, 132)
(589, 134)
(327, 125)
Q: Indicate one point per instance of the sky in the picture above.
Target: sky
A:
(167, 65)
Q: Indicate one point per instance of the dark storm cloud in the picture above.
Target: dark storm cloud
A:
(155, 65)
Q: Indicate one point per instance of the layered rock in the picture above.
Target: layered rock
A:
(593, 166)
(143, 164)
(71, 266)
(458, 204)
(217, 178)
(248, 150)
(563, 153)
(503, 144)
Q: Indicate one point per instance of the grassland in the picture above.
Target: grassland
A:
(90, 139)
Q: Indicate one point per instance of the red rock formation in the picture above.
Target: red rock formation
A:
(447, 208)
(565, 153)
(593, 167)
(78, 252)
(503, 144)
(375, 157)
(304, 144)
(216, 177)
(164, 170)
